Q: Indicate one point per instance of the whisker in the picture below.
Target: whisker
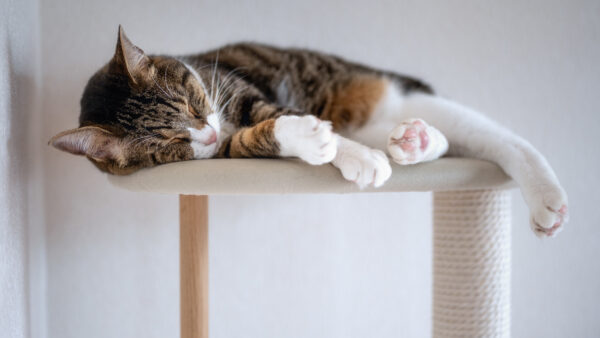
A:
(212, 83)
(154, 79)
(231, 97)
(230, 78)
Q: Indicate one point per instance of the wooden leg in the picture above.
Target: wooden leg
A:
(193, 251)
(471, 264)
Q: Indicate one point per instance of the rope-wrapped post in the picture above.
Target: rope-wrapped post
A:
(471, 263)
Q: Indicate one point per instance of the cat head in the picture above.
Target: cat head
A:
(139, 111)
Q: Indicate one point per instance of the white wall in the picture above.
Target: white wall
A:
(325, 266)
(22, 269)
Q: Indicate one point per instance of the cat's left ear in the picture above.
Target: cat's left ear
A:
(92, 141)
(130, 59)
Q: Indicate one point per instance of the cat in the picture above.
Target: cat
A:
(253, 100)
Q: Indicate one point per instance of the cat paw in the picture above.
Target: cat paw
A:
(415, 141)
(361, 164)
(549, 211)
(306, 137)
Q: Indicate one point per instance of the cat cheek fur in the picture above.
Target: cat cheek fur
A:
(205, 141)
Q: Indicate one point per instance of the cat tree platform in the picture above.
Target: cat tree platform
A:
(471, 236)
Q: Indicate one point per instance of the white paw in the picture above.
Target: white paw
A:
(549, 211)
(361, 164)
(415, 141)
(305, 137)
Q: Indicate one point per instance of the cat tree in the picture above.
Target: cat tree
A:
(471, 236)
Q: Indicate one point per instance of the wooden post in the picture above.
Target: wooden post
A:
(193, 251)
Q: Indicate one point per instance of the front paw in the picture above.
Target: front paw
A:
(549, 211)
(306, 137)
(362, 165)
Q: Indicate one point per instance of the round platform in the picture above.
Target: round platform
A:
(290, 176)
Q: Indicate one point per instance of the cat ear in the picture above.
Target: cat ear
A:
(130, 59)
(92, 141)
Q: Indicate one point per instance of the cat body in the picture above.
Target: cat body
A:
(252, 100)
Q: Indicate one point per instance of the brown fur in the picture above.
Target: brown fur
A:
(146, 103)
(256, 141)
(353, 104)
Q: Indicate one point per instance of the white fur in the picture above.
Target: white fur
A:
(471, 134)
(227, 129)
(223, 129)
(305, 137)
(361, 164)
(467, 133)
(213, 121)
(383, 119)
(387, 107)
(201, 136)
(199, 79)
(435, 147)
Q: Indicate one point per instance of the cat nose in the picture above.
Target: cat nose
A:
(212, 137)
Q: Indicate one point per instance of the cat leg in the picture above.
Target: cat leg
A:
(360, 164)
(305, 137)
(470, 134)
(312, 140)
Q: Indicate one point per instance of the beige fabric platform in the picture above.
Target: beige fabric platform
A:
(471, 229)
(278, 176)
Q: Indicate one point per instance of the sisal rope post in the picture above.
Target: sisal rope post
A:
(471, 263)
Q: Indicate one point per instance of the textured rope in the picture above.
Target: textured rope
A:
(471, 269)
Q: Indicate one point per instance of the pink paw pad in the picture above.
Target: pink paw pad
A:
(409, 141)
(424, 139)
(557, 227)
(563, 210)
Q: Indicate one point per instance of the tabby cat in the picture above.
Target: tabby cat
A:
(252, 100)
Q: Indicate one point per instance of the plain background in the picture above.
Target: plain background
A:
(22, 242)
(316, 266)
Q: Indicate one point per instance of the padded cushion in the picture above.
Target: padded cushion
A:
(290, 176)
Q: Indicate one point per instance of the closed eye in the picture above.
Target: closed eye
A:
(173, 136)
(193, 111)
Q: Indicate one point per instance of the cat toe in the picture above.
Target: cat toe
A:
(364, 166)
(321, 146)
(306, 137)
(549, 217)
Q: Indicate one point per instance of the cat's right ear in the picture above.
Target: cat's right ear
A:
(92, 141)
(130, 59)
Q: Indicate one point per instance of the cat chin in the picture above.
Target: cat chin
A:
(202, 151)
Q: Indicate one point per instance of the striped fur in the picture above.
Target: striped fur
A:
(146, 105)
(252, 100)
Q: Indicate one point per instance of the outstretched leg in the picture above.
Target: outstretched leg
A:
(305, 137)
(471, 134)
(400, 124)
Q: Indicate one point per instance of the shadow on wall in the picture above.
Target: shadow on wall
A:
(22, 92)
(18, 106)
(13, 254)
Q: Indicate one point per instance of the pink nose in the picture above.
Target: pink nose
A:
(212, 137)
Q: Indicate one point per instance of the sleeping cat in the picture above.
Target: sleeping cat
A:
(252, 100)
